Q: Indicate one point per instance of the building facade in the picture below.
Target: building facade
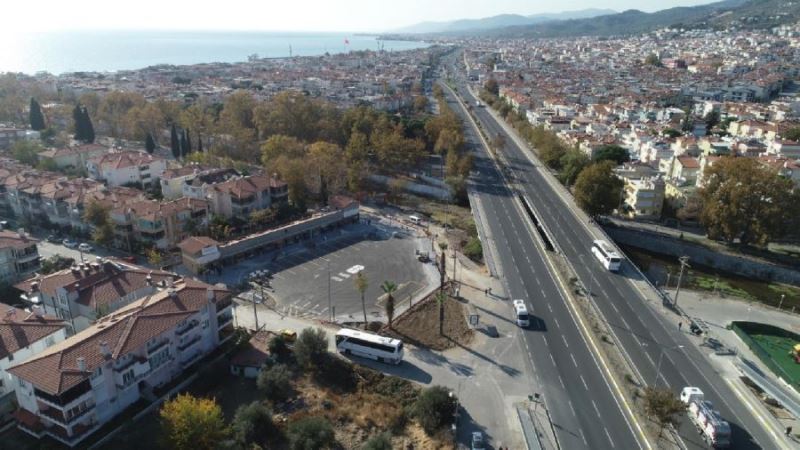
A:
(19, 255)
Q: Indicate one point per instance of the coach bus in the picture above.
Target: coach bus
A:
(368, 345)
(606, 255)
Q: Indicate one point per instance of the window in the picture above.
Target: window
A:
(205, 323)
(49, 341)
(159, 358)
(128, 377)
(63, 300)
(21, 383)
(97, 373)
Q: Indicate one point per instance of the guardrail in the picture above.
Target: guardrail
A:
(774, 390)
(528, 429)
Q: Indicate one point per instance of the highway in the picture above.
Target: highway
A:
(586, 413)
(642, 331)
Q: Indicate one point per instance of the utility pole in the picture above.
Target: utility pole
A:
(330, 309)
(684, 260)
(255, 311)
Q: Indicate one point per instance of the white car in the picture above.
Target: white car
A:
(69, 243)
(85, 247)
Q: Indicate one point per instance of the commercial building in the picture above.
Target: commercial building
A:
(71, 389)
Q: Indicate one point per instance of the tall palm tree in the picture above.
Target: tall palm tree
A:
(361, 286)
(389, 288)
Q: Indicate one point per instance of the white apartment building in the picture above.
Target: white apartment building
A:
(126, 167)
(643, 198)
(19, 255)
(71, 389)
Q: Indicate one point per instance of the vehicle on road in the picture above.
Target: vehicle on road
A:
(288, 335)
(715, 430)
(84, 247)
(415, 219)
(477, 441)
(368, 345)
(69, 243)
(521, 316)
(606, 254)
(53, 238)
(478, 104)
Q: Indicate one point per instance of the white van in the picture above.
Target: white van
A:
(415, 219)
(522, 318)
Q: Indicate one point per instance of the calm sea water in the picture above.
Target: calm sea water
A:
(60, 52)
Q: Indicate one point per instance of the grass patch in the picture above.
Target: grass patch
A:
(779, 350)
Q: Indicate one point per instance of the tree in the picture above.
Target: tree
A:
(597, 190)
(663, 407)
(381, 441)
(434, 408)
(88, 128)
(572, 163)
(389, 288)
(104, 234)
(184, 145)
(188, 142)
(114, 107)
(35, 116)
(191, 423)
(199, 143)
(311, 347)
(252, 423)
(149, 144)
(26, 152)
(277, 346)
(492, 87)
(792, 134)
(154, 257)
(79, 124)
(746, 200)
(692, 209)
(311, 433)
(613, 153)
(175, 144)
(712, 120)
(652, 60)
(96, 214)
(361, 286)
(328, 160)
(281, 145)
(275, 382)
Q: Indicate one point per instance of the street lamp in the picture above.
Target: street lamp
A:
(781, 302)
(658, 366)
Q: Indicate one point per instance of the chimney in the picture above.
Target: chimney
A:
(38, 311)
(35, 286)
(81, 363)
(104, 350)
(210, 295)
(149, 278)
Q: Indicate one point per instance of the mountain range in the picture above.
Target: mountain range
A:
(499, 21)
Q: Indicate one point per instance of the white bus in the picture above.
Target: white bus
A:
(522, 318)
(368, 345)
(606, 255)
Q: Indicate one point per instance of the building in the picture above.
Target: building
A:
(81, 294)
(643, 198)
(126, 167)
(71, 389)
(73, 157)
(9, 136)
(158, 224)
(19, 255)
(248, 361)
(241, 196)
(23, 334)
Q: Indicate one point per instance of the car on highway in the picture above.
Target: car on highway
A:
(84, 247)
(69, 243)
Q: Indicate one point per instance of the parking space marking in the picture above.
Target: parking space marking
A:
(335, 278)
(343, 275)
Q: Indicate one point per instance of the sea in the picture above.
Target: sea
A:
(109, 51)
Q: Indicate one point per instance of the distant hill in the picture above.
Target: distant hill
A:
(500, 21)
(741, 13)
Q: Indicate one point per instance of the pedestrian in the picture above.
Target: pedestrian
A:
(680, 325)
(788, 431)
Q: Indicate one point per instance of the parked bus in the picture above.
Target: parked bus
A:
(606, 255)
(368, 345)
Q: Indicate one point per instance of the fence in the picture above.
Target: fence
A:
(744, 329)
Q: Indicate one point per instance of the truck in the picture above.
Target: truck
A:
(715, 430)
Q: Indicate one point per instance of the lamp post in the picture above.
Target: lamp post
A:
(780, 305)
(658, 366)
(684, 260)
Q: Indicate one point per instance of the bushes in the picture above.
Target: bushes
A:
(252, 423)
(381, 441)
(275, 382)
(473, 250)
(311, 348)
(434, 409)
(311, 433)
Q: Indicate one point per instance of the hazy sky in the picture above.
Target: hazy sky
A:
(283, 15)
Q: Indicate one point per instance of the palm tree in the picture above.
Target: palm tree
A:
(361, 286)
(440, 299)
(389, 287)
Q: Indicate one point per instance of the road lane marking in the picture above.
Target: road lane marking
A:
(596, 409)
(565, 340)
(609, 437)
(585, 386)
(575, 363)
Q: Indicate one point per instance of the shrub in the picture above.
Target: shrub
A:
(311, 433)
(192, 423)
(252, 423)
(473, 250)
(311, 347)
(275, 382)
(277, 346)
(378, 442)
(434, 408)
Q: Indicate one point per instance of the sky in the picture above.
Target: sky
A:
(283, 15)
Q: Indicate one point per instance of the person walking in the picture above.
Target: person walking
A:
(680, 326)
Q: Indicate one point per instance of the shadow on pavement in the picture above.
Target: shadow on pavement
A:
(406, 369)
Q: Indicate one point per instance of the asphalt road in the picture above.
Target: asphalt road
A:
(643, 333)
(585, 413)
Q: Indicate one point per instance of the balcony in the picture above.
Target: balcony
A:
(68, 398)
(189, 344)
(187, 328)
(151, 350)
(59, 417)
(224, 320)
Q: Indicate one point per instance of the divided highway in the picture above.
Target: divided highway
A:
(643, 333)
(586, 413)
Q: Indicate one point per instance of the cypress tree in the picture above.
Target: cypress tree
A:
(199, 143)
(87, 123)
(79, 128)
(174, 144)
(149, 144)
(184, 145)
(36, 117)
(188, 142)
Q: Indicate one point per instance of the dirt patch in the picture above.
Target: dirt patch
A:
(420, 325)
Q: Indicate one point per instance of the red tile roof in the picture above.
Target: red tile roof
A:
(14, 239)
(19, 329)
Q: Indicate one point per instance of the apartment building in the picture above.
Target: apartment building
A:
(73, 157)
(71, 389)
(126, 167)
(9, 136)
(643, 198)
(84, 292)
(240, 196)
(19, 255)
(159, 224)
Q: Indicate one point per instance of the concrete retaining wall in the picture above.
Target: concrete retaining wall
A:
(737, 265)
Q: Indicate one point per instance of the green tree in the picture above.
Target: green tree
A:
(275, 382)
(597, 190)
(381, 441)
(35, 116)
(362, 283)
(613, 153)
(191, 423)
(572, 163)
(311, 433)
(114, 108)
(26, 152)
(652, 60)
(389, 288)
(663, 407)
(183, 145)
(281, 145)
(104, 234)
(252, 423)
(174, 141)
(434, 408)
(440, 298)
(492, 87)
(712, 119)
(79, 124)
(792, 134)
(88, 128)
(311, 348)
(746, 200)
(96, 214)
(149, 144)
(154, 257)
(293, 172)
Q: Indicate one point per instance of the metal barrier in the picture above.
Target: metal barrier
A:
(742, 331)
(788, 400)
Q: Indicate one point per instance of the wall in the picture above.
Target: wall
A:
(738, 265)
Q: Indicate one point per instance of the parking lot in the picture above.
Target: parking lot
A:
(303, 275)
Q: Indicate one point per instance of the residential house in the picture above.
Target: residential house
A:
(126, 168)
(159, 224)
(73, 157)
(73, 388)
(241, 196)
(84, 292)
(9, 136)
(249, 361)
(19, 256)
(643, 198)
(682, 170)
(785, 149)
